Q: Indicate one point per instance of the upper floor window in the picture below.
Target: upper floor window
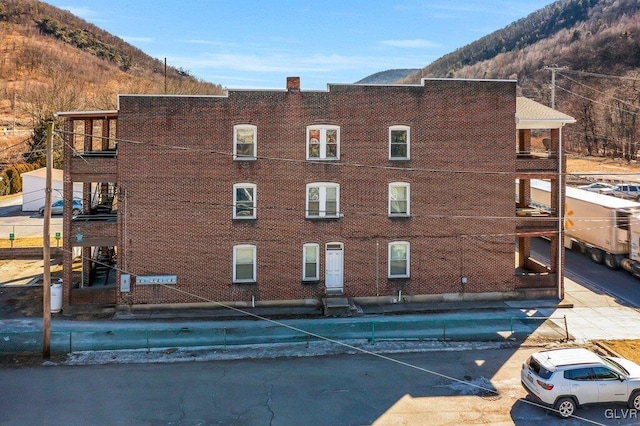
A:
(323, 200)
(244, 142)
(310, 256)
(399, 199)
(244, 201)
(399, 259)
(399, 142)
(323, 143)
(244, 263)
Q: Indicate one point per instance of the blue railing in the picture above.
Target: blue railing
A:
(233, 334)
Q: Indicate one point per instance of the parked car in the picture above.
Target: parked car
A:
(624, 190)
(57, 207)
(596, 186)
(565, 379)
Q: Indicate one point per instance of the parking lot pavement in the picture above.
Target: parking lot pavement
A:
(22, 224)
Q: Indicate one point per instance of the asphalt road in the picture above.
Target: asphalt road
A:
(620, 284)
(442, 387)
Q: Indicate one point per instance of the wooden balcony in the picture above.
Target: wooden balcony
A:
(537, 281)
(94, 230)
(532, 221)
(536, 162)
(96, 166)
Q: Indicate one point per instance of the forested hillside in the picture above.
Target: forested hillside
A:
(51, 60)
(595, 47)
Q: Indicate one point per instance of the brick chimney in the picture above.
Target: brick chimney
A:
(293, 84)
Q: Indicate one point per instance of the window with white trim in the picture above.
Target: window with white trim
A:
(399, 142)
(323, 200)
(399, 199)
(244, 263)
(244, 142)
(323, 142)
(244, 201)
(399, 255)
(310, 262)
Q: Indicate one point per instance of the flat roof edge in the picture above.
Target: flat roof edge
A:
(84, 114)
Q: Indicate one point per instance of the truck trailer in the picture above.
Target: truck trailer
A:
(607, 228)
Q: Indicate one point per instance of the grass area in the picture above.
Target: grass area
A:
(28, 242)
(629, 349)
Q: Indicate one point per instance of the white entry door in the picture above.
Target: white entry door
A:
(334, 269)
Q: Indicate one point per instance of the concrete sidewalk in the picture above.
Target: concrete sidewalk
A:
(596, 316)
(587, 315)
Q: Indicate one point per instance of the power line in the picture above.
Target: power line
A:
(593, 74)
(599, 102)
(338, 163)
(603, 93)
(340, 343)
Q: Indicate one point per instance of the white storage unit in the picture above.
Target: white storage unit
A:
(34, 183)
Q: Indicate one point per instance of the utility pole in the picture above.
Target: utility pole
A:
(15, 103)
(560, 184)
(553, 70)
(46, 250)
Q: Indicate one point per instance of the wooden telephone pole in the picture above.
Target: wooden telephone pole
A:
(46, 251)
(553, 70)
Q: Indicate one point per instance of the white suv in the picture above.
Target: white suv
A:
(567, 378)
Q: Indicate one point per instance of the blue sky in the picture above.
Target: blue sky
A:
(258, 43)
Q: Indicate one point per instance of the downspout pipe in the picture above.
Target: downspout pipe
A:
(561, 215)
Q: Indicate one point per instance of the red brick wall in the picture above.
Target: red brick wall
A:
(176, 217)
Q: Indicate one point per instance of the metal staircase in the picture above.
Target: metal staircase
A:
(103, 264)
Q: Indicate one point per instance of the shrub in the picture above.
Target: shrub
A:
(11, 182)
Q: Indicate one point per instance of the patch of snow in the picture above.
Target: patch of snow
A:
(267, 351)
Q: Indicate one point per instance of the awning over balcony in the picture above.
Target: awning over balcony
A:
(533, 115)
(85, 115)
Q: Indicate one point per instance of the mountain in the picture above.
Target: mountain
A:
(594, 34)
(386, 77)
(593, 49)
(48, 51)
(51, 60)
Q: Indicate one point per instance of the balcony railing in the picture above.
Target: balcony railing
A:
(536, 161)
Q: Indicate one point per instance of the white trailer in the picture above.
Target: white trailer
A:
(605, 227)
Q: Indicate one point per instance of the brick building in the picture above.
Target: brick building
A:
(379, 193)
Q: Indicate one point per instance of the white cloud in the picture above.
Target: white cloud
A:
(211, 43)
(134, 39)
(415, 43)
(280, 62)
(82, 12)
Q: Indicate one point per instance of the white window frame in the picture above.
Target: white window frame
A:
(254, 190)
(407, 129)
(235, 263)
(241, 157)
(323, 142)
(322, 193)
(407, 187)
(407, 273)
(305, 249)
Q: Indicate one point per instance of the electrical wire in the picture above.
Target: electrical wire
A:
(593, 74)
(349, 346)
(604, 94)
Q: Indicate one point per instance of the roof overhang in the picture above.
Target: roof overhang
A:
(83, 115)
(533, 115)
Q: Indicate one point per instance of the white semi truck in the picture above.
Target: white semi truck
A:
(605, 227)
